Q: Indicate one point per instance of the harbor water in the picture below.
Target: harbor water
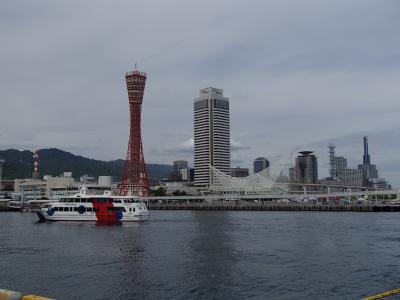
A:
(204, 255)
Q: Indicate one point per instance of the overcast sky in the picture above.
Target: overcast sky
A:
(297, 73)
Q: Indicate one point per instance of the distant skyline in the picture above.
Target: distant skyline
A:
(296, 73)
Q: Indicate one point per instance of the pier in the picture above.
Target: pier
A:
(274, 207)
(356, 201)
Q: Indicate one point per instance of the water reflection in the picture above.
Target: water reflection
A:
(214, 270)
(108, 223)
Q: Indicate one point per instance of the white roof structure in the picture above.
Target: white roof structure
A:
(258, 183)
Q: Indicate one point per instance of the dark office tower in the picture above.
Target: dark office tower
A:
(239, 172)
(177, 166)
(305, 170)
(260, 163)
(134, 179)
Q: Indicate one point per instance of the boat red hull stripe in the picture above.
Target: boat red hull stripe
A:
(103, 211)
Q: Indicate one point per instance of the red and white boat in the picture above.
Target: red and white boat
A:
(102, 208)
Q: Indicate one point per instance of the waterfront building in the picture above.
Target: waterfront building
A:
(60, 186)
(172, 187)
(344, 175)
(186, 174)
(105, 181)
(31, 188)
(260, 163)
(305, 170)
(191, 174)
(340, 165)
(347, 176)
(340, 173)
(7, 186)
(239, 172)
(351, 177)
(211, 136)
(87, 179)
(380, 184)
(57, 187)
(177, 166)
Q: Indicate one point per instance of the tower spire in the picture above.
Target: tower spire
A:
(366, 157)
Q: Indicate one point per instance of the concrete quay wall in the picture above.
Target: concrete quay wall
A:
(274, 207)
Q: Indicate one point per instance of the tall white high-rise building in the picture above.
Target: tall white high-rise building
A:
(211, 135)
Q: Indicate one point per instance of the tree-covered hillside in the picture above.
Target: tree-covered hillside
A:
(19, 164)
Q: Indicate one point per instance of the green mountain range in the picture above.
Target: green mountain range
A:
(19, 164)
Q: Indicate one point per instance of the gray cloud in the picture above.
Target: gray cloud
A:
(296, 72)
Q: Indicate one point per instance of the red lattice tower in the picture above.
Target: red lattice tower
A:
(134, 180)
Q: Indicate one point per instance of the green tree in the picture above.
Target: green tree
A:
(179, 193)
(159, 192)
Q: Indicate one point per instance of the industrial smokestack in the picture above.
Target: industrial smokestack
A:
(35, 174)
(366, 158)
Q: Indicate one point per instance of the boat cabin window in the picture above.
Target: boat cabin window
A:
(66, 200)
(112, 209)
(88, 209)
(117, 201)
(102, 200)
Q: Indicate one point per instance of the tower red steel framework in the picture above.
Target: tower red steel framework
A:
(134, 180)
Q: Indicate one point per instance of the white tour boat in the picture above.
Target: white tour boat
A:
(102, 208)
